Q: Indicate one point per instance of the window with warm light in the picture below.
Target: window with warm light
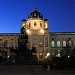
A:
(40, 44)
(46, 26)
(28, 31)
(40, 55)
(34, 14)
(23, 24)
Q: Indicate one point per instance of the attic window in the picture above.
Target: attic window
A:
(40, 15)
(34, 14)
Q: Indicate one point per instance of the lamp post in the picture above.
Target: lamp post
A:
(47, 61)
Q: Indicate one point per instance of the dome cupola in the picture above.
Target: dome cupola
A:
(35, 14)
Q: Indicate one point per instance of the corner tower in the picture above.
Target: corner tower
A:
(37, 29)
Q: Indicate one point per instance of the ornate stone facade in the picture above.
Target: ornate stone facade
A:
(47, 43)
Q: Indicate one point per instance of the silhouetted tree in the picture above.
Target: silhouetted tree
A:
(23, 50)
(24, 54)
(68, 56)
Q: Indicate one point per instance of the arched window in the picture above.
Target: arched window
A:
(34, 14)
(35, 24)
(29, 25)
(64, 43)
(70, 43)
(40, 24)
(58, 43)
(46, 26)
(53, 44)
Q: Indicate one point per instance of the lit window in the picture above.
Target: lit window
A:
(58, 43)
(40, 55)
(53, 44)
(34, 14)
(64, 43)
(70, 43)
(35, 24)
(28, 31)
(40, 44)
(46, 25)
(23, 24)
(58, 50)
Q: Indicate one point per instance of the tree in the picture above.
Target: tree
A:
(68, 56)
(23, 49)
(24, 54)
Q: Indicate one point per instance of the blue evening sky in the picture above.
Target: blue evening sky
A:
(60, 14)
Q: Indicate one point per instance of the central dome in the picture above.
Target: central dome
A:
(35, 14)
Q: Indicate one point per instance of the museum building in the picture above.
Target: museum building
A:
(48, 44)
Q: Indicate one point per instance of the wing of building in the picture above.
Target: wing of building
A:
(47, 43)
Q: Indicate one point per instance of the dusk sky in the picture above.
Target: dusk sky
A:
(60, 14)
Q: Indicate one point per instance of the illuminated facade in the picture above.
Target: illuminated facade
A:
(37, 30)
(47, 43)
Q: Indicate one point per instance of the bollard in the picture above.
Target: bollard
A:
(48, 68)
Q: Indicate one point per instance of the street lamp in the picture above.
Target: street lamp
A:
(48, 66)
(68, 56)
(48, 54)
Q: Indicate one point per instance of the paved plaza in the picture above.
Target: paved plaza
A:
(32, 70)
